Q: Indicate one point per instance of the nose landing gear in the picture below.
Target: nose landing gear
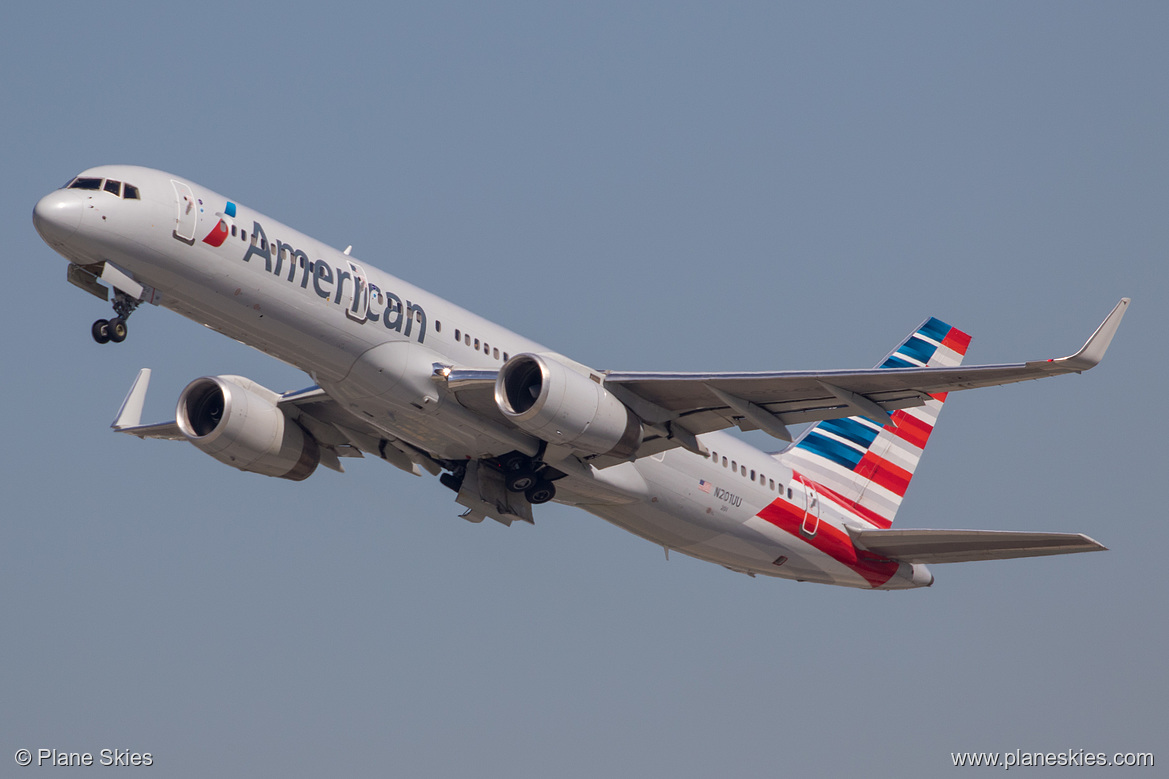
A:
(106, 330)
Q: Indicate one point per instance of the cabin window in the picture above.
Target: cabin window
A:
(130, 192)
(743, 472)
(789, 493)
(486, 348)
(233, 231)
(495, 354)
(752, 474)
(505, 356)
(734, 465)
(724, 462)
(458, 335)
(467, 339)
(476, 344)
(437, 326)
(771, 484)
(113, 187)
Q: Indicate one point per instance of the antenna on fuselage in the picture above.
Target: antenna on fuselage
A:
(348, 249)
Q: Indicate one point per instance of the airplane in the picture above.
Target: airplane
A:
(409, 378)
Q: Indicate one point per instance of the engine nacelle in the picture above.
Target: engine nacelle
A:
(549, 399)
(237, 422)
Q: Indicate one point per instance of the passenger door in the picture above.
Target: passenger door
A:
(811, 510)
(188, 213)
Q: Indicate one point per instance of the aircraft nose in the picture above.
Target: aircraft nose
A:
(57, 215)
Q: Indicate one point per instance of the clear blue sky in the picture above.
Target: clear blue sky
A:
(675, 186)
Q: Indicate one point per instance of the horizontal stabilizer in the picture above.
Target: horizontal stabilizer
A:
(167, 431)
(960, 546)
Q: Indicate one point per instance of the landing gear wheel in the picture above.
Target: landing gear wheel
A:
(543, 492)
(101, 331)
(106, 330)
(516, 462)
(520, 481)
(453, 481)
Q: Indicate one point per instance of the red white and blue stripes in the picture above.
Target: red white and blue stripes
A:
(865, 468)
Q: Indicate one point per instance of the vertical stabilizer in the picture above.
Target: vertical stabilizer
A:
(868, 467)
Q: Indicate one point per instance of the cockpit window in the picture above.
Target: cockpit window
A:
(115, 188)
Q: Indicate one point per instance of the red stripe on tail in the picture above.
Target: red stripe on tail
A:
(884, 473)
(911, 429)
(957, 340)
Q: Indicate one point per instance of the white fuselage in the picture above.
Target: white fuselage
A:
(309, 305)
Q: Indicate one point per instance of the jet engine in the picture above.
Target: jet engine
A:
(237, 422)
(549, 399)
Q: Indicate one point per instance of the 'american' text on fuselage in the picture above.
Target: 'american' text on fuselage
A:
(379, 305)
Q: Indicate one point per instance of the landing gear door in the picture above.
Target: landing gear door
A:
(188, 214)
(356, 297)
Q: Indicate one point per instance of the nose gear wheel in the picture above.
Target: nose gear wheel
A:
(106, 330)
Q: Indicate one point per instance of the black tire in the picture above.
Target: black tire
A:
(521, 481)
(101, 331)
(118, 330)
(515, 462)
(452, 481)
(543, 492)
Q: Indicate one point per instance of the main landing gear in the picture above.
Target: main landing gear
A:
(523, 475)
(106, 330)
(520, 474)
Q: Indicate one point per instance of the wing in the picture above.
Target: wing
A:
(675, 407)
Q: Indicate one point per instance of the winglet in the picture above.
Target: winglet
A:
(130, 414)
(1093, 351)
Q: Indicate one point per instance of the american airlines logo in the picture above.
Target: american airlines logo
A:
(364, 302)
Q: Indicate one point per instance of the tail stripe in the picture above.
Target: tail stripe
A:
(885, 473)
(957, 340)
(899, 361)
(919, 349)
(910, 429)
(832, 449)
(938, 330)
(852, 429)
(901, 454)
